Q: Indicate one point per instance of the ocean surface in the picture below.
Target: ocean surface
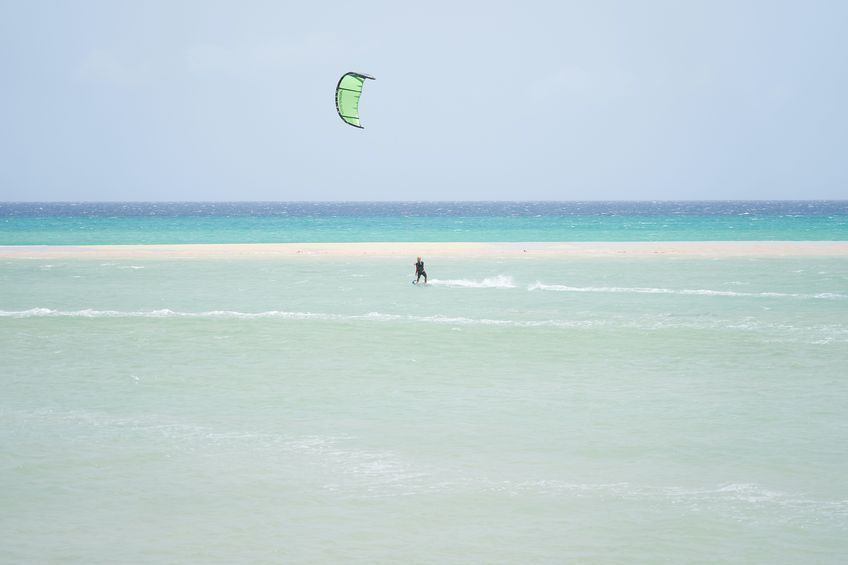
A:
(324, 410)
(280, 222)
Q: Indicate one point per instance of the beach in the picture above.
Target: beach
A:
(434, 249)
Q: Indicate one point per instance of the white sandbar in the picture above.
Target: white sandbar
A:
(432, 250)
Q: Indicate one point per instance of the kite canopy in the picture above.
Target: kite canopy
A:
(348, 92)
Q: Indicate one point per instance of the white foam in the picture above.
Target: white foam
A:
(817, 334)
(682, 291)
(830, 295)
(500, 281)
(163, 313)
(743, 494)
(285, 315)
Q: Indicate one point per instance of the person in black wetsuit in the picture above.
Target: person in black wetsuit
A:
(419, 271)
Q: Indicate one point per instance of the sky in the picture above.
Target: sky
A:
(594, 100)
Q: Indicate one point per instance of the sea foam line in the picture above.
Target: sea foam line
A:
(162, 313)
(683, 291)
(818, 334)
(317, 316)
(500, 281)
(287, 315)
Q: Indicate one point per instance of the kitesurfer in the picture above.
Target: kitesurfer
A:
(419, 271)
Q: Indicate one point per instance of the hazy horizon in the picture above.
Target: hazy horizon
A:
(607, 101)
(467, 200)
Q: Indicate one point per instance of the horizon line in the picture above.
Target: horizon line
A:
(545, 201)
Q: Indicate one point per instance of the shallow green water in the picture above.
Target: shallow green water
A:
(629, 409)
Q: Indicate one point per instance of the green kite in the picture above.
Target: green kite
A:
(348, 92)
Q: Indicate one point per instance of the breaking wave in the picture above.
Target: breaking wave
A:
(682, 291)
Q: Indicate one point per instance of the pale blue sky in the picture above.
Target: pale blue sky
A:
(200, 100)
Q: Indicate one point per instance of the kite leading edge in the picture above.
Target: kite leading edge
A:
(348, 92)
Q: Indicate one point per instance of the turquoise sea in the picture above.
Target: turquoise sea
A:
(278, 222)
(516, 410)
